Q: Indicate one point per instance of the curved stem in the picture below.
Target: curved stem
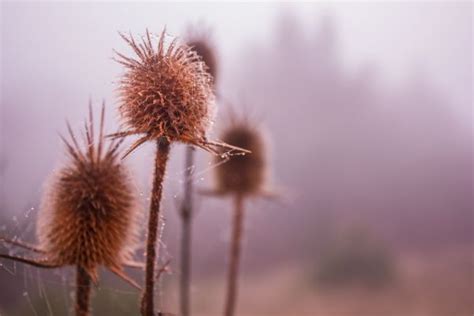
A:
(162, 153)
(40, 263)
(83, 292)
(232, 277)
(21, 244)
(186, 217)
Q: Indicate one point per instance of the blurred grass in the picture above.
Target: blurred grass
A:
(105, 301)
(357, 258)
(429, 284)
(432, 284)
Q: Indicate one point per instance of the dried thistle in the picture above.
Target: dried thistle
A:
(242, 174)
(200, 42)
(166, 93)
(89, 214)
(166, 96)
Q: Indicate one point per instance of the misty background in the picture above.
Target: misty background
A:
(367, 106)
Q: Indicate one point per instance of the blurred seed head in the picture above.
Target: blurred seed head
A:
(89, 211)
(166, 91)
(200, 42)
(242, 174)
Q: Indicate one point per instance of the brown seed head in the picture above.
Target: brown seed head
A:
(166, 92)
(201, 44)
(242, 174)
(89, 212)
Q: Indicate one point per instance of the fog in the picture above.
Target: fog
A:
(367, 106)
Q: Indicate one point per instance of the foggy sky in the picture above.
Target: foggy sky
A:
(389, 61)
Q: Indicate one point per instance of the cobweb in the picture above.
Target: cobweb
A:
(34, 291)
(25, 289)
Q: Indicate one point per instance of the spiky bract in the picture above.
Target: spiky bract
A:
(166, 92)
(88, 217)
(242, 174)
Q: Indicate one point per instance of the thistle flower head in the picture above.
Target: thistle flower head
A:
(89, 212)
(165, 92)
(200, 43)
(242, 174)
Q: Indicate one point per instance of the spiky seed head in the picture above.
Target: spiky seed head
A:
(204, 49)
(89, 210)
(166, 91)
(242, 174)
(199, 38)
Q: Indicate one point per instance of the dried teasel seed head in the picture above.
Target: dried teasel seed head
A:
(242, 174)
(89, 211)
(199, 38)
(165, 92)
(201, 44)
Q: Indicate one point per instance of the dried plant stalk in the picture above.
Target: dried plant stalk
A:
(162, 154)
(186, 233)
(83, 292)
(166, 96)
(199, 44)
(241, 177)
(234, 257)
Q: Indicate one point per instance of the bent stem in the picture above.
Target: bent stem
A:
(83, 292)
(21, 244)
(235, 250)
(162, 153)
(186, 217)
(39, 263)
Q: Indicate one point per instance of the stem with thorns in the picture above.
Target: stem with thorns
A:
(186, 217)
(232, 277)
(162, 153)
(83, 292)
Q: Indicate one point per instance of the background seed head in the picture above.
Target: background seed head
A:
(203, 48)
(166, 91)
(243, 174)
(89, 210)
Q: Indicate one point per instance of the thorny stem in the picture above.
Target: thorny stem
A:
(232, 277)
(83, 292)
(186, 217)
(162, 153)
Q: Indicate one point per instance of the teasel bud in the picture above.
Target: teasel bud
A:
(89, 213)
